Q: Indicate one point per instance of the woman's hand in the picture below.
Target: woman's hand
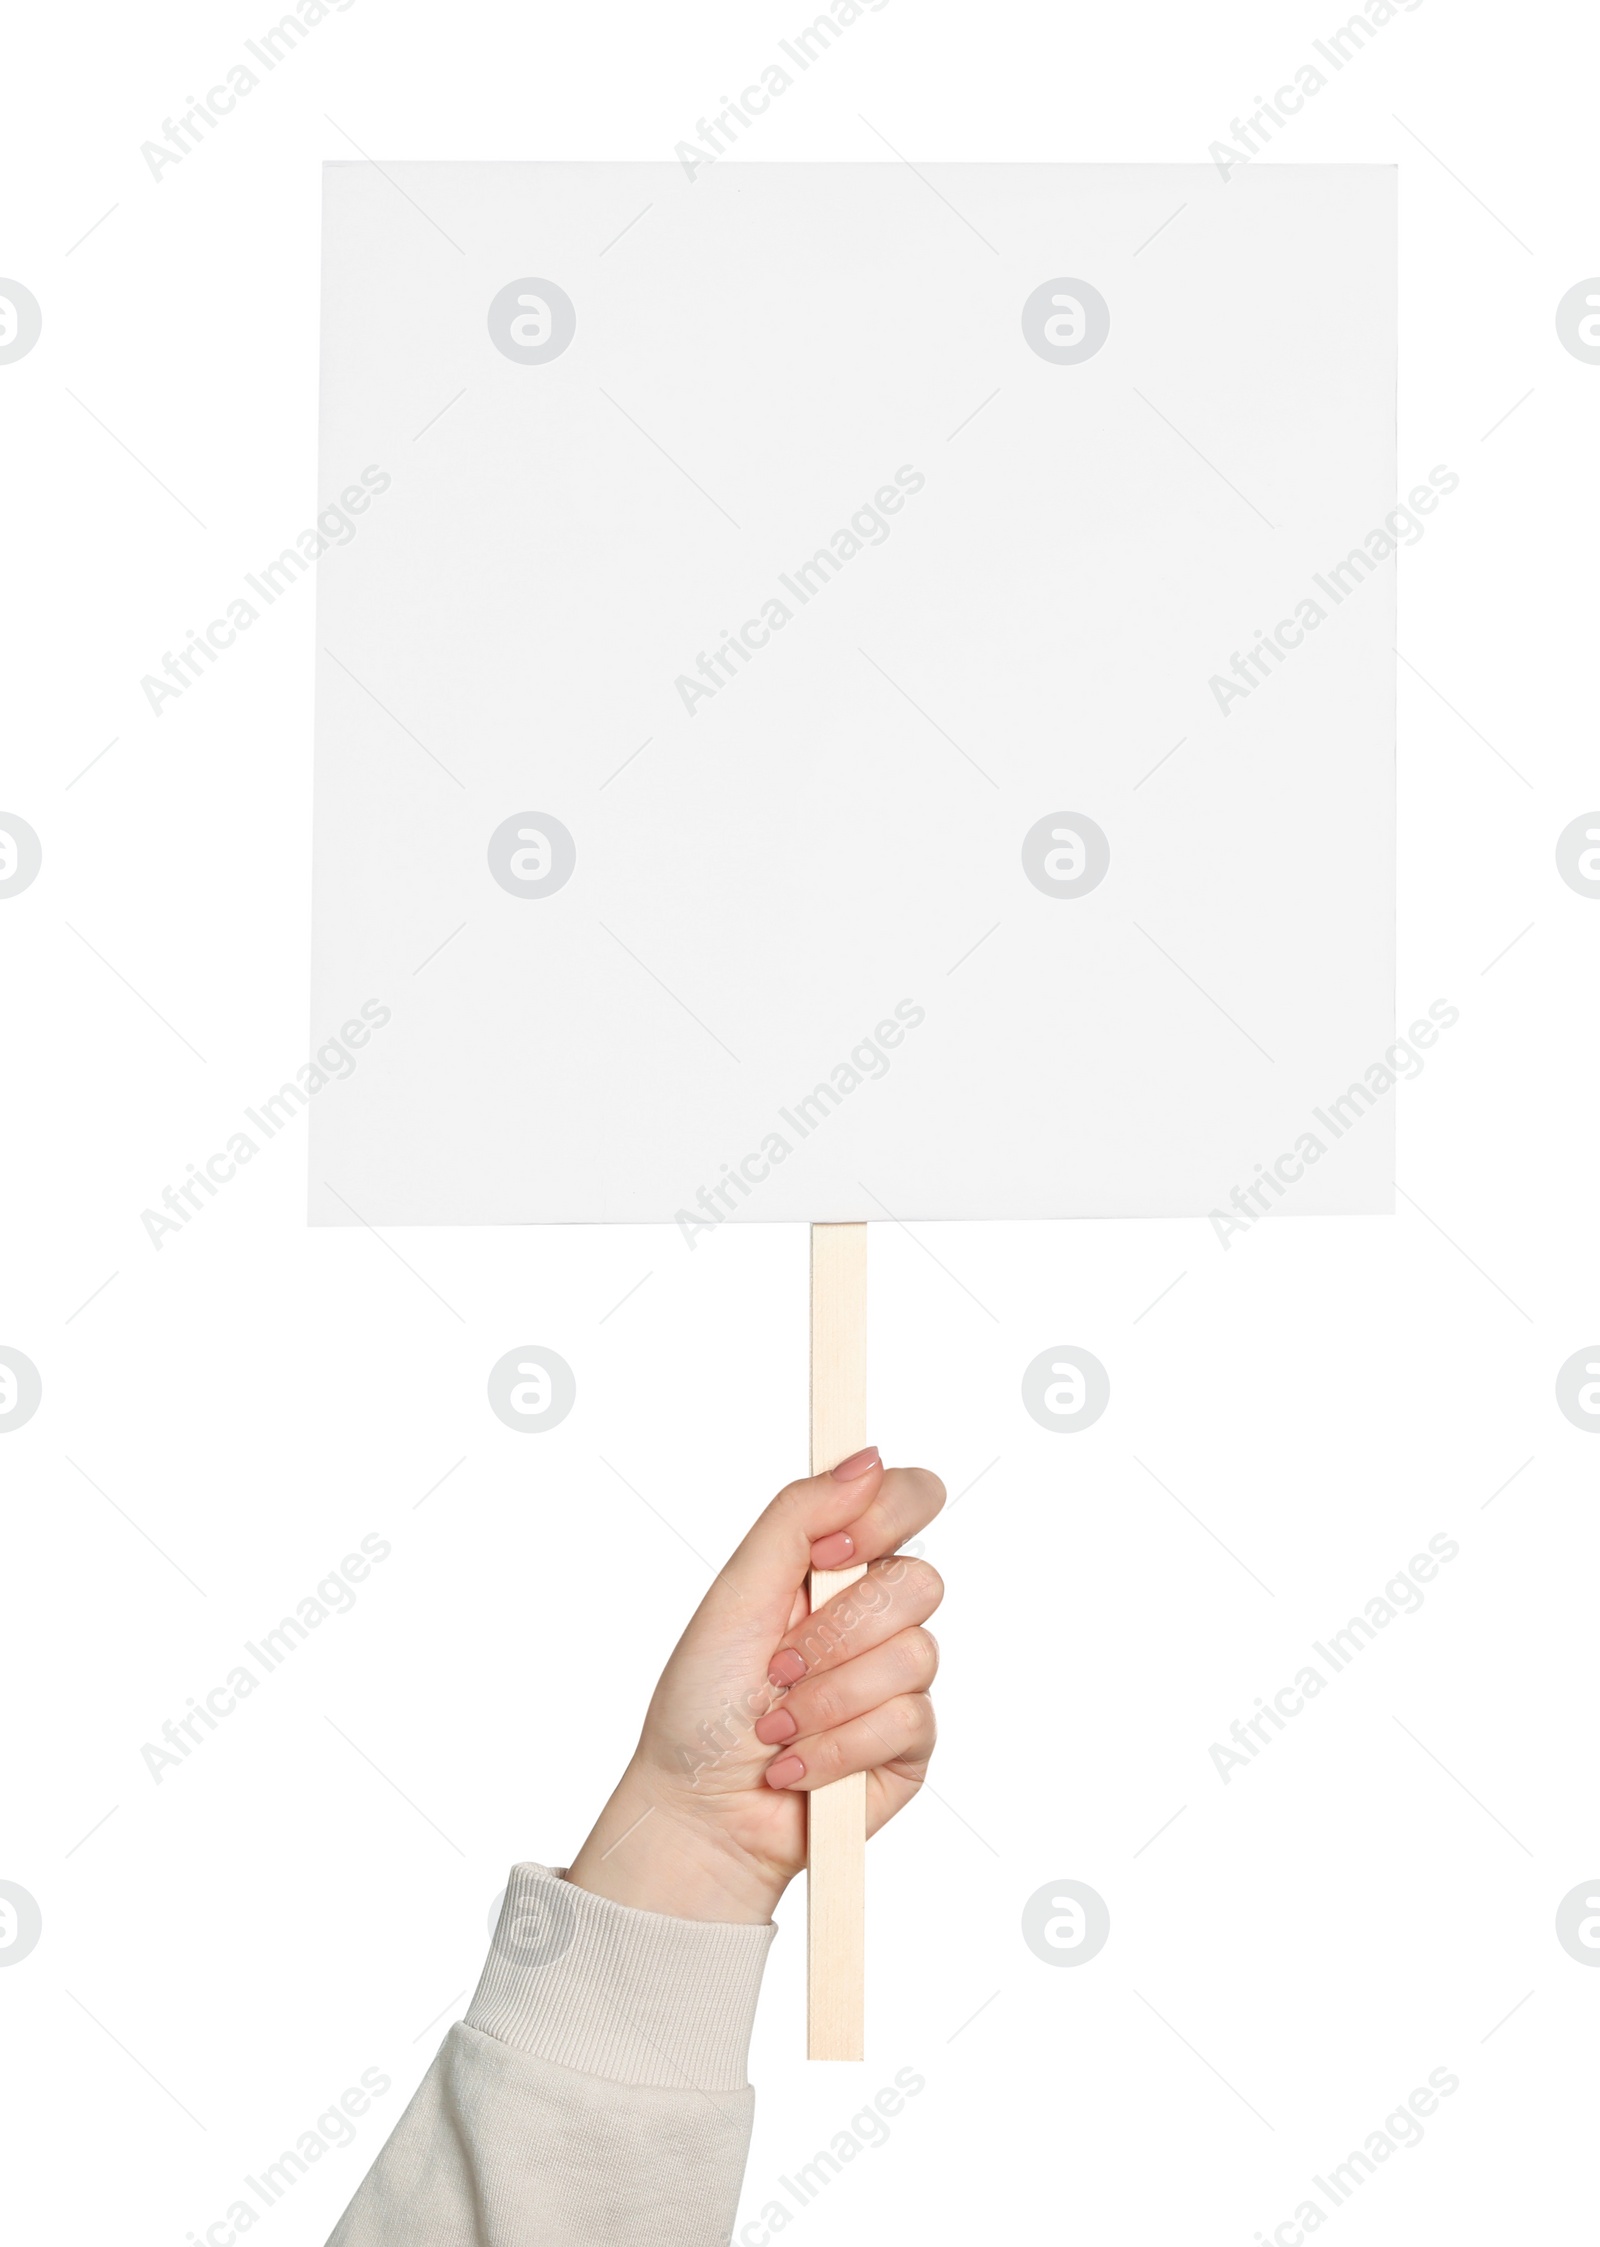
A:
(762, 1701)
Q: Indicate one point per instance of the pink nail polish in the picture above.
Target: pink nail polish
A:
(787, 1668)
(834, 1551)
(859, 1463)
(785, 1771)
(775, 1727)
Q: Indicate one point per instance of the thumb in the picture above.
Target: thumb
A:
(756, 1590)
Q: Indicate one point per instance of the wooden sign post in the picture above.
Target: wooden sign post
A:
(836, 1854)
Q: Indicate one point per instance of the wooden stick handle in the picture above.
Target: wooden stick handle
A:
(836, 1855)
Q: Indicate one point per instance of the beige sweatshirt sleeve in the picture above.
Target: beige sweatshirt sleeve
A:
(594, 2095)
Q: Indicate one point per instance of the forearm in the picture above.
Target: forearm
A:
(594, 2096)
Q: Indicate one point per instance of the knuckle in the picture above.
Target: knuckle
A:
(918, 1652)
(824, 1761)
(825, 1638)
(923, 1583)
(907, 1713)
(824, 1708)
(929, 1488)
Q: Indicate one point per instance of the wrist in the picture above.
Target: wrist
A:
(646, 1854)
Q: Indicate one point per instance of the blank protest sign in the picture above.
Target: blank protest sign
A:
(854, 698)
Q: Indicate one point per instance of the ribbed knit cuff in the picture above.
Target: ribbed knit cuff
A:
(632, 1996)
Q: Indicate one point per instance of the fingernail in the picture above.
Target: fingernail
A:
(787, 1668)
(785, 1771)
(859, 1463)
(776, 1727)
(834, 1551)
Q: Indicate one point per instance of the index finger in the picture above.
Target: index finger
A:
(904, 1501)
(769, 1565)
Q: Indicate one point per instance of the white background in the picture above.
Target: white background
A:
(1374, 1896)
